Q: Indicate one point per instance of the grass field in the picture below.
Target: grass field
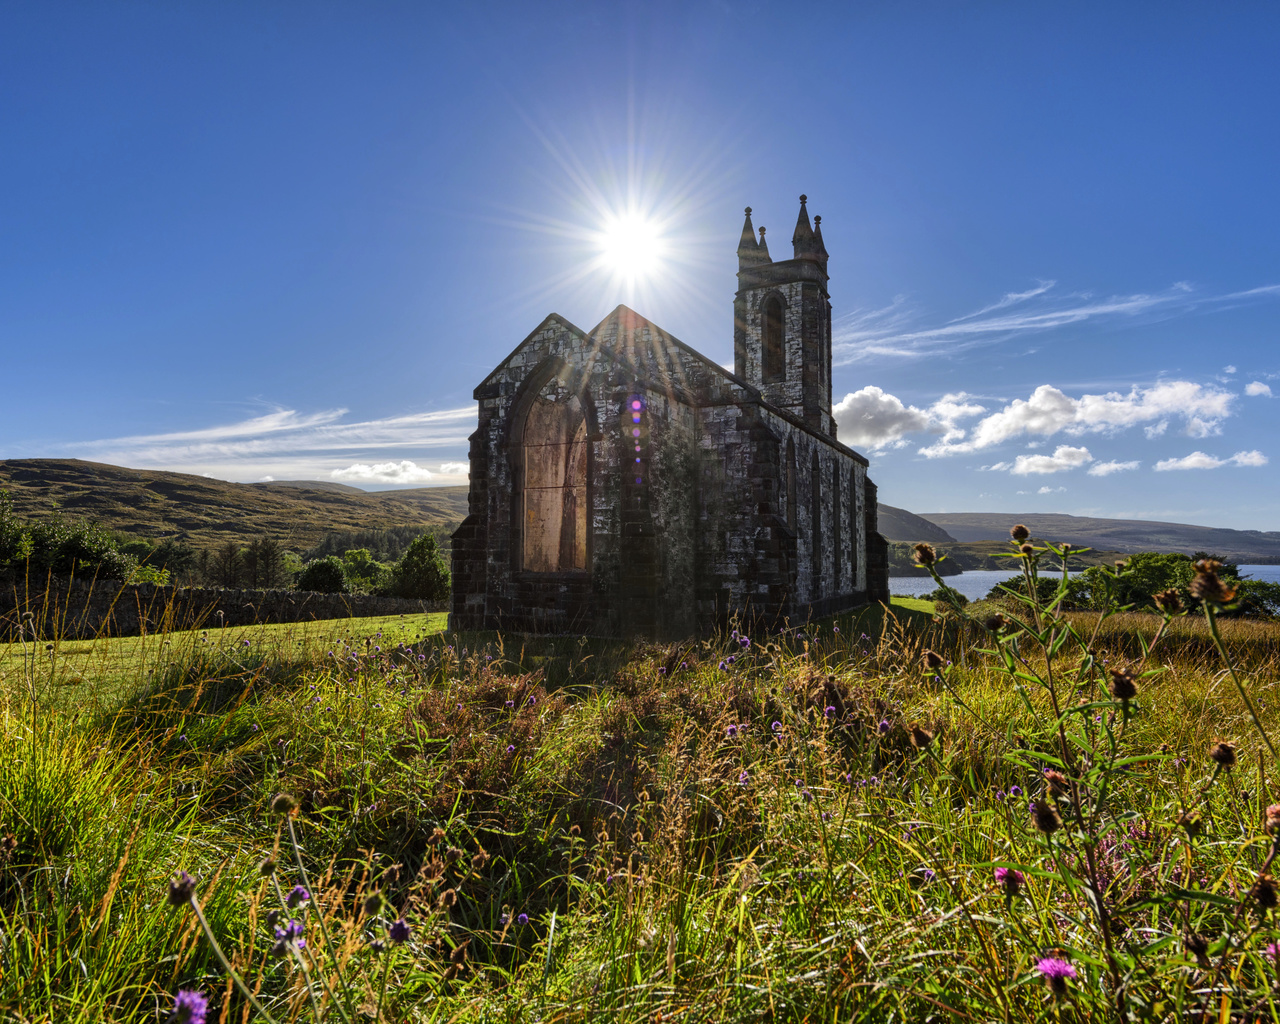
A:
(850, 820)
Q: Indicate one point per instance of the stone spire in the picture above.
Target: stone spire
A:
(819, 250)
(802, 240)
(748, 250)
(764, 249)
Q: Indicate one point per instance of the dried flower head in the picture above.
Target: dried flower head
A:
(181, 889)
(479, 860)
(437, 835)
(448, 898)
(373, 904)
(1121, 684)
(1056, 973)
(1264, 893)
(1168, 601)
(1189, 822)
(1223, 754)
(267, 868)
(925, 554)
(1273, 820)
(284, 803)
(1019, 533)
(459, 955)
(995, 623)
(1045, 816)
(8, 844)
(933, 660)
(1198, 946)
(1058, 784)
(920, 737)
(1026, 549)
(1207, 586)
(453, 854)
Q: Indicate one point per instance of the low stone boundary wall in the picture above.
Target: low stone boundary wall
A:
(81, 610)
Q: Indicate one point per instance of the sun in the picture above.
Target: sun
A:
(632, 246)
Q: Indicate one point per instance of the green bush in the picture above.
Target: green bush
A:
(57, 546)
(421, 574)
(323, 576)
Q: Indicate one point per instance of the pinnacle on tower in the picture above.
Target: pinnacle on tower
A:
(802, 240)
(819, 250)
(764, 249)
(748, 250)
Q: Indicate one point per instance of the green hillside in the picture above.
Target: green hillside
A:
(205, 512)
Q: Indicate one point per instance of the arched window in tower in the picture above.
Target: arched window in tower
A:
(791, 484)
(775, 367)
(554, 477)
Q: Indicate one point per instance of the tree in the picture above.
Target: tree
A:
(264, 564)
(323, 576)
(226, 567)
(421, 574)
(364, 573)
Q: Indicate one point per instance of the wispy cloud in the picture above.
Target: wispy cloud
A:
(286, 444)
(899, 331)
(1201, 460)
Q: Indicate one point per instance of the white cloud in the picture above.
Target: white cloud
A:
(1228, 369)
(403, 472)
(1046, 489)
(288, 445)
(1156, 429)
(1063, 458)
(900, 331)
(1201, 460)
(876, 419)
(455, 468)
(1255, 388)
(266, 479)
(1107, 468)
(1050, 410)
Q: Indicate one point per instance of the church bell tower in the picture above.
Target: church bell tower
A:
(782, 322)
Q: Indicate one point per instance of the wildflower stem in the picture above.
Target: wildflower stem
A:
(226, 964)
(1211, 617)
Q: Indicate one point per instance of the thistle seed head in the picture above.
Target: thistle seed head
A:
(1223, 754)
(1058, 784)
(284, 803)
(1198, 946)
(1121, 684)
(1207, 586)
(1045, 816)
(925, 554)
(1264, 893)
(920, 737)
(1168, 601)
(1019, 533)
(933, 660)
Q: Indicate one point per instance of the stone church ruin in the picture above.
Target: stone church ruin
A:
(624, 484)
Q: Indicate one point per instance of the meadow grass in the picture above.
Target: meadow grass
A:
(804, 825)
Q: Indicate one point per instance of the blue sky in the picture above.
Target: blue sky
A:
(287, 239)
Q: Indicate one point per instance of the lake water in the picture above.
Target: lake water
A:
(976, 585)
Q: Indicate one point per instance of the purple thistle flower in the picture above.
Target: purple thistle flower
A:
(776, 727)
(1015, 791)
(729, 659)
(181, 889)
(732, 731)
(928, 875)
(744, 777)
(297, 895)
(398, 931)
(744, 642)
(189, 1007)
(522, 919)
(511, 748)
(1272, 950)
(511, 704)
(1000, 794)
(829, 711)
(883, 727)
(808, 797)
(1010, 880)
(1056, 972)
(722, 666)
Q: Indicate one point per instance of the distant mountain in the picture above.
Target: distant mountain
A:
(1125, 535)
(900, 525)
(205, 512)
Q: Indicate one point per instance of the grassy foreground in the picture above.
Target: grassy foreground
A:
(825, 824)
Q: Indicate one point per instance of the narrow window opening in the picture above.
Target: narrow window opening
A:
(815, 513)
(791, 484)
(835, 528)
(775, 367)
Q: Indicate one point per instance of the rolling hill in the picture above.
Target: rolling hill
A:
(1124, 535)
(155, 504)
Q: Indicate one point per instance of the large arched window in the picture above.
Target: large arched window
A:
(554, 477)
(775, 366)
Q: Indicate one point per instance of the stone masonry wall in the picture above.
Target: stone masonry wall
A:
(81, 610)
